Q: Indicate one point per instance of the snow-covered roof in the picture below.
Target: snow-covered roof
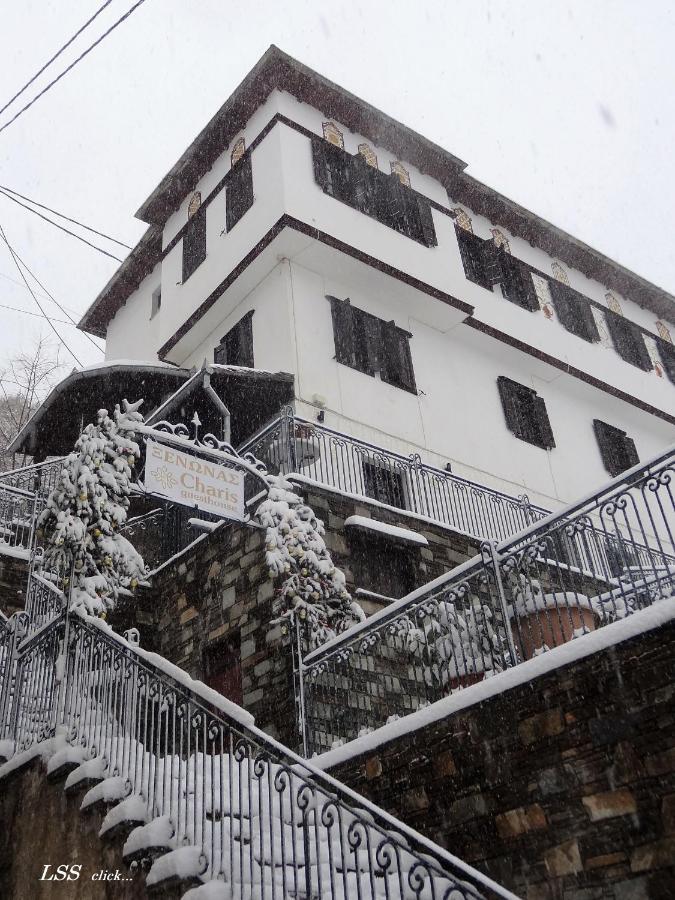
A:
(393, 531)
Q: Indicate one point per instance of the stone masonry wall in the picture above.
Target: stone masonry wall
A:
(561, 789)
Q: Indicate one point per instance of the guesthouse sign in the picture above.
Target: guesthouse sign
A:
(190, 480)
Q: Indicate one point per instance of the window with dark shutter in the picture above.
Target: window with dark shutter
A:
(667, 354)
(525, 413)
(380, 565)
(471, 250)
(194, 243)
(350, 179)
(517, 284)
(239, 191)
(371, 345)
(574, 311)
(383, 484)
(628, 341)
(616, 448)
(236, 347)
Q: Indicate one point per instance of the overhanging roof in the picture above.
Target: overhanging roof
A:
(276, 69)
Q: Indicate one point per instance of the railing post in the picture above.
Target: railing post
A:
(494, 558)
(17, 627)
(299, 682)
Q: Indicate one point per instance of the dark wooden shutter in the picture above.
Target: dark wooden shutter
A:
(343, 330)
(667, 354)
(471, 251)
(628, 341)
(574, 311)
(509, 391)
(239, 192)
(426, 221)
(517, 283)
(492, 263)
(617, 450)
(396, 365)
(245, 327)
(194, 243)
(321, 167)
(543, 424)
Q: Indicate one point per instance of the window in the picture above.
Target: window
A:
(239, 196)
(516, 280)
(628, 341)
(237, 152)
(371, 345)
(500, 240)
(559, 273)
(353, 181)
(156, 302)
(664, 332)
(333, 135)
(616, 448)
(236, 347)
(194, 204)
(400, 172)
(667, 354)
(383, 484)
(613, 303)
(381, 566)
(525, 413)
(574, 312)
(194, 243)
(368, 154)
(222, 669)
(463, 220)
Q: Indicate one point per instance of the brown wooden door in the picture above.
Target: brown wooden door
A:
(222, 665)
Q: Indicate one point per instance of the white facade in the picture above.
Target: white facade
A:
(457, 415)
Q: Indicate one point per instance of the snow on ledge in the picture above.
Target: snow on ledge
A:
(607, 636)
(395, 531)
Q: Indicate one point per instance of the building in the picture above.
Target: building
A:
(436, 369)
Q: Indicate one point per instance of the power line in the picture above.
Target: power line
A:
(67, 218)
(55, 56)
(54, 300)
(72, 65)
(61, 227)
(49, 321)
(28, 312)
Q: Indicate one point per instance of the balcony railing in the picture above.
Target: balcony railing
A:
(202, 784)
(39, 478)
(595, 562)
(294, 445)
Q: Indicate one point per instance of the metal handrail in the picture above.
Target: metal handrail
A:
(259, 815)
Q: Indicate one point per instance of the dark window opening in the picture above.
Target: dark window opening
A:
(667, 354)
(350, 179)
(222, 668)
(628, 341)
(371, 345)
(236, 347)
(525, 413)
(156, 302)
(194, 243)
(383, 484)
(517, 284)
(381, 566)
(574, 311)
(616, 448)
(239, 192)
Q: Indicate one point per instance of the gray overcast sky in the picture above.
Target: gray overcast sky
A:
(566, 107)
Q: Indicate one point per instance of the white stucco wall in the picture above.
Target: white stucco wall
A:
(132, 334)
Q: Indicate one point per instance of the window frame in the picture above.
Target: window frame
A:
(194, 243)
(239, 196)
(243, 332)
(396, 487)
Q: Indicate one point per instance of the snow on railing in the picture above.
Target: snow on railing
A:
(18, 510)
(38, 478)
(213, 797)
(291, 444)
(596, 561)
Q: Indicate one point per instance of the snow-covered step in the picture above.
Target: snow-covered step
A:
(88, 773)
(183, 865)
(106, 792)
(64, 761)
(149, 841)
(124, 817)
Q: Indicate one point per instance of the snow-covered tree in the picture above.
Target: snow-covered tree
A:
(297, 556)
(80, 524)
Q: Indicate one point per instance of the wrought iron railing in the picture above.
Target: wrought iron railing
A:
(18, 510)
(599, 560)
(352, 466)
(39, 478)
(258, 818)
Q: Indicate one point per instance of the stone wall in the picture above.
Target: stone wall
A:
(561, 789)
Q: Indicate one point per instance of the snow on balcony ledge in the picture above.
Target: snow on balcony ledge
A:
(393, 531)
